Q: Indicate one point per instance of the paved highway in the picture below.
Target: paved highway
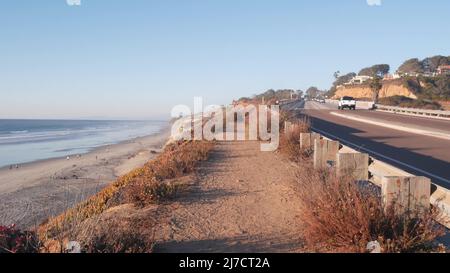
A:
(419, 154)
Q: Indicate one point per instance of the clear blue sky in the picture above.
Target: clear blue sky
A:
(139, 58)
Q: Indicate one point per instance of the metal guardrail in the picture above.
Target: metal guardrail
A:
(440, 114)
(286, 102)
(379, 170)
(415, 111)
(439, 196)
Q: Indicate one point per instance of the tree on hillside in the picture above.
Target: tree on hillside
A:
(435, 88)
(376, 86)
(337, 74)
(271, 94)
(431, 64)
(340, 80)
(344, 79)
(313, 92)
(267, 95)
(377, 70)
(411, 66)
(284, 94)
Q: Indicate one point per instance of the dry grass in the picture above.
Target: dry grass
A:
(178, 159)
(142, 186)
(142, 192)
(123, 229)
(290, 143)
(118, 241)
(339, 215)
(284, 116)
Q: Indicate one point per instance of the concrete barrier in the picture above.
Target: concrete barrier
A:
(325, 152)
(438, 114)
(287, 102)
(354, 164)
(307, 140)
(411, 193)
(406, 194)
(440, 198)
(287, 127)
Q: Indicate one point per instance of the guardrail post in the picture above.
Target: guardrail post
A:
(287, 127)
(324, 151)
(307, 140)
(354, 164)
(406, 194)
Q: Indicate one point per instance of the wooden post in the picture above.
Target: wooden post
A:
(406, 194)
(324, 152)
(355, 164)
(287, 127)
(320, 151)
(307, 140)
(332, 150)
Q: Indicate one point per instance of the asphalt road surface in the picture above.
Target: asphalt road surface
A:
(418, 154)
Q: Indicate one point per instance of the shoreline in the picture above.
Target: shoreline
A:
(46, 187)
(90, 150)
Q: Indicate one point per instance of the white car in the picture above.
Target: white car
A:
(347, 102)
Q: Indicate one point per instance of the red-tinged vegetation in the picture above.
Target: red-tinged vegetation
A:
(143, 186)
(13, 240)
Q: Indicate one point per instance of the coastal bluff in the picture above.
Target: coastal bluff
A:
(363, 91)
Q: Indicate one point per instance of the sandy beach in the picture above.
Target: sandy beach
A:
(37, 190)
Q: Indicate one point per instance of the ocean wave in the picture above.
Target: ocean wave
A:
(36, 143)
(118, 131)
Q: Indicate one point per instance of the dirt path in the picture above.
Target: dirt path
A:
(242, 201)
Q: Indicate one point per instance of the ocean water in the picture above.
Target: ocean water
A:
(29, 140)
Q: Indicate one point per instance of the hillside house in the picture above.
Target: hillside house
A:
(394, 76)
(443, 70)
(359, 80)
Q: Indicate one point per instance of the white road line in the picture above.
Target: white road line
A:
(395, 126)
(312, 105)
(354, 146)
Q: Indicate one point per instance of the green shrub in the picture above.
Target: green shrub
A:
(401, 101)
